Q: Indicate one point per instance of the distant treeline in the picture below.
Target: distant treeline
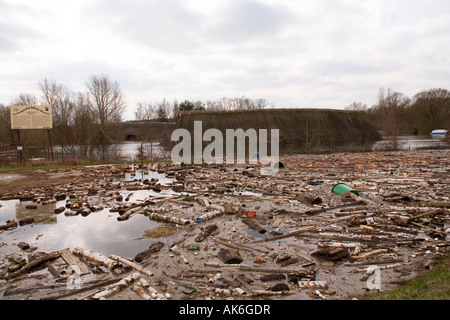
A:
(396, 114)
(80, 118)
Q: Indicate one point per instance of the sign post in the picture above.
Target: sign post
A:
(31, 117)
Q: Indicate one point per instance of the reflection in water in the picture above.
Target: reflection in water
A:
(408, 143)
(43, 214)
(100, 231)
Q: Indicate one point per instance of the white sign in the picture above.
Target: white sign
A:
(31, 117)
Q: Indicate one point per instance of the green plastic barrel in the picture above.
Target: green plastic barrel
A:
(342, 188)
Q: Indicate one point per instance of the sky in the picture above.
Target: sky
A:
(294, 54)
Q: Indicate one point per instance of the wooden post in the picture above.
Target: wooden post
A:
(50, 143)
(19, 145)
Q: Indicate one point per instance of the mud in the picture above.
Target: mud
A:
(343, 246)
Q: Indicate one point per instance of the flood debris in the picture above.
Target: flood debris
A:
(312, 231)
(155, 247)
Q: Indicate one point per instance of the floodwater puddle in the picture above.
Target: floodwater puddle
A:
(99, 231)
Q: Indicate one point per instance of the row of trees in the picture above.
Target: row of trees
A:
(165, 110)
(79, 118)
(395, 114)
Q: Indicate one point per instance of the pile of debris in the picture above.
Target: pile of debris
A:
(324, 227)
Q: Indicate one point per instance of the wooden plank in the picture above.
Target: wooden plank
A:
(278, 220)
(72, 260)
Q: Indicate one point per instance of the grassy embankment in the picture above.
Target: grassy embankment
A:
(432, 285)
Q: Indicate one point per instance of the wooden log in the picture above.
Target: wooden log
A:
(77, 291)
(140, 291)
(331, 254)
(206, 232)
(313, 284)
(288, 234)
(254, 225)
(369, 254)
(153, 292)
(128, 214)
(155, 247)
(10, 224)
(97, 257)
(353, 204)
(132, 264)
(166, 218)
(229, 256)
(405, 221)
(116, 288)
(33, 265)
(210, 215)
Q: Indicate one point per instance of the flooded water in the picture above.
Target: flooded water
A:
(99, 231)
(407, 143)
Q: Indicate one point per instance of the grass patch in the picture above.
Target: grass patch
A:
(433, 285)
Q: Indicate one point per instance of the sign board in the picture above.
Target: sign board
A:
(31, 117)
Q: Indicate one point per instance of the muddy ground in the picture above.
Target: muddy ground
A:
(228, 232)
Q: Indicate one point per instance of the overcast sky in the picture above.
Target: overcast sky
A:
(318, 53)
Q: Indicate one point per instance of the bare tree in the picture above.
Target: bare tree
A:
(107, 99)
(390, 111)
(6, 135)
(356, 106)
(61, 100)
(84, 128)
(25, 99)
(145, 111)
(431, 110)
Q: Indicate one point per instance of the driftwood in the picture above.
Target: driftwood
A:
(206, 232)
(210, 215)
(116, 288)
(254, 225)
(132, 264)
(97, 257)
(126, 215)
(140, 291)
(71, 260)
(331, 254)
(10, 224)
(313, 284)
(33, 265)
(236, 245)
(166, 218)
(353, 204)
(405, 221)
(369, 254)
(155, 247)
(258, 293)
(77, 291)
(288, 234)
(153, 292)
(229, 256)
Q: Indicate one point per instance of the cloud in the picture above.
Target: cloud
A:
(314, 53)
